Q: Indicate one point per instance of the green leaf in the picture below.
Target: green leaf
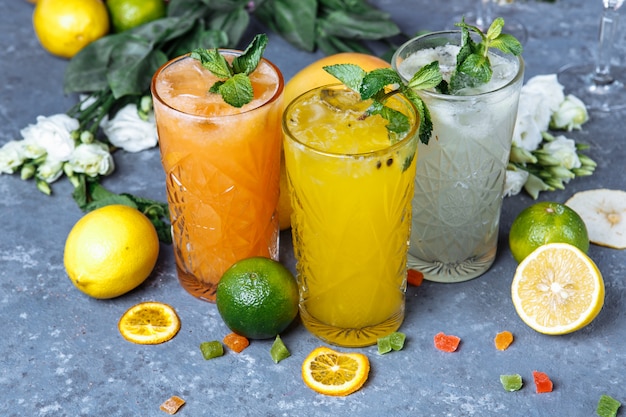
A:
(247, 62)
(429, 76)
(349, 74)
(294, 20)
(376, 80)
(234, 24)
(131, 68)
(237, 90)
(508, 44)
(478, 68)
(212, 60)
(345, 25)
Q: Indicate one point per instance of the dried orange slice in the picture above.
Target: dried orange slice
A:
(557, 289)
(149, 323)
(335, 373)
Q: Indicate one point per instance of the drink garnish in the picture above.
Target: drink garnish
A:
(234, 83)
(473, 68)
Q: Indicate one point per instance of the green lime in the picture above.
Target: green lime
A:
(257, 298)
(127, 14)
(543, 223)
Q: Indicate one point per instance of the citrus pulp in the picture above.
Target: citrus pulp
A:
(64, 27)
(110, 251)
(257, 298)
(546, 222)
(557, 289)
(335, 373)
(149, 323)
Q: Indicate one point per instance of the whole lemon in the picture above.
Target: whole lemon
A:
(127, 14)
(64, 27)
(308, 78)
(543, 223)
(257, 298)
(110, 251)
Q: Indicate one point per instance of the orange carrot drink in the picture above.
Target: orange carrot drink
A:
(351, 182)
(222, 166)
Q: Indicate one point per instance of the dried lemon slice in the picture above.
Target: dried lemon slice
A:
(334, 373)
(557, 289)
(149, 323)
(604, 214)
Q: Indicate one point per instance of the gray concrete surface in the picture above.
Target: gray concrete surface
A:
(61, 353)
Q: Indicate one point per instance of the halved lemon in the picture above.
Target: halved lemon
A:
(149, 323)
(557, 289)
(335, 373)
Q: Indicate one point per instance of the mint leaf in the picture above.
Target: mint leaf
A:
(237, 90)
(247, 62)
(375, 81)
(234, 85)
(350, 75)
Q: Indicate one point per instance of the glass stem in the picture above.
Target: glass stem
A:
(483, 14)
(608, 27)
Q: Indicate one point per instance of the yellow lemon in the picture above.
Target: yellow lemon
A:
(557, 289)
(127, 14)
(335, 373)
(64, 27)
(306, 79)
(110, 251)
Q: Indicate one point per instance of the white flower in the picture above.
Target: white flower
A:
(570, 115)
(11, 156)
(92, 159)
(542, 95)
(53, 134)
(514, 181)
(128, 131)
(50, 170)
(527, 134)
(564, 150)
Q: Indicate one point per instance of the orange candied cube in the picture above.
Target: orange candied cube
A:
(446, 343)
(414, 277)
(503, 340)
(542, 382)
(236, 342)
(172, 405)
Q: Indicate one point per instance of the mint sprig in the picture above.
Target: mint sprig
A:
(473, 67)
(234, 83)
(380, 84)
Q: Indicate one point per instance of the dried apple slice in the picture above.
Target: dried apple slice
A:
(604, 214)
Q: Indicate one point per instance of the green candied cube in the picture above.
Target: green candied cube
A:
(211, 349)
(397, 340)
(511, 382)
(607, 406)
(384, 345)
(279, 351)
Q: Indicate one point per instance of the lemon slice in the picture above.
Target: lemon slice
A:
(149, 323)
(557, 289)
(604, 214)
(334, 373)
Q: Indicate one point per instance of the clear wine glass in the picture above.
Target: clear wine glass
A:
(484, 14)
(599, 85)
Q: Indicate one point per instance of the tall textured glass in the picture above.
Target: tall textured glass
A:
(222, 167)
(351, 184)
(460, 173)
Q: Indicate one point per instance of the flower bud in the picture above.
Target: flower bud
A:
(586, 161)
(44, 187)
(86, 137)
(521, 156)
(561, 173)
(27, 171)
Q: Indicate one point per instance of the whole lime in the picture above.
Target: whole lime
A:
(543, 223)
(257, 297)
(127, 14)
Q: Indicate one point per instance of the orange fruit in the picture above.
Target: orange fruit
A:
(257, 298)
(308, 78)
(64, 27)
(557, 289)
(546, 222)
(335, 373)
(149, 323)
(111, 251)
